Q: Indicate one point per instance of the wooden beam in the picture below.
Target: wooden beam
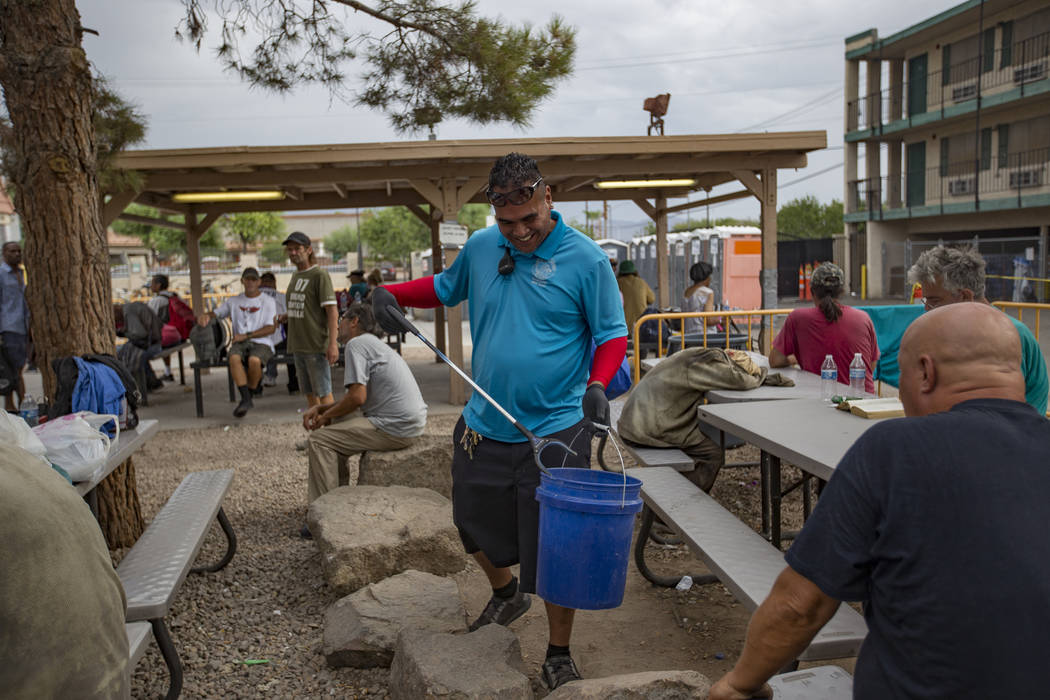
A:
(117, 203)
(339, 189)
(607, 168)
(420, 213)
(646, 207)
(153, 221)
(750, 181)
(430, 192)
(469, 190)
(293, 192)
(574, 183)
(768, 274)
(710, 200)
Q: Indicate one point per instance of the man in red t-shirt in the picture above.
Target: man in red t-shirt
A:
(827, 327)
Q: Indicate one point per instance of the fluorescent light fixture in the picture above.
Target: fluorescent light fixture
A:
(632, 184)
(237, 196)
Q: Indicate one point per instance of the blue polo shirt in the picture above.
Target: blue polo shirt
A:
(532, 329)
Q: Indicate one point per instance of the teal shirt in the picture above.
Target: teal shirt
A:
(532, 329)
(1036, 384)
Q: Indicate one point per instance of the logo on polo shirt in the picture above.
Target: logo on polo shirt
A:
(542, 271)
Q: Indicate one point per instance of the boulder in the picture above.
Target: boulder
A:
(361, 629)
(369, 533)
(649, 685)
(483, 664)
(426, 463)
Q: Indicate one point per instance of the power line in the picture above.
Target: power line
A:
(718, 57)
(816, 101)
(712, 52)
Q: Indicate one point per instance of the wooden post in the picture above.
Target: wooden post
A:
(193, 255)
(457, 391)
(662, 276)
(769, 250)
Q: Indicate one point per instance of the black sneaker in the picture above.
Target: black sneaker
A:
(169, 377)
(502, 611)
(242, 407)
(559, 670)
(257, 391)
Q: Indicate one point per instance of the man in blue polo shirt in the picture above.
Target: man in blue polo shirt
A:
(539, 293)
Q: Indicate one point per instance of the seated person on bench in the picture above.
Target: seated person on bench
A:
(252, 314)
(937, 522)
(379, 382)
(661, 409)
(61, 603)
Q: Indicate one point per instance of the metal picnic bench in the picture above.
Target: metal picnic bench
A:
(140, 375)
(155, 567)
(740, 558)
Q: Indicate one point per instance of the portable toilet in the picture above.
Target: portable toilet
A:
(741, 266)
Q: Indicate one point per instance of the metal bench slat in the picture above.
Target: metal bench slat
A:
(741, 558)
(158, 563)
(139, 634)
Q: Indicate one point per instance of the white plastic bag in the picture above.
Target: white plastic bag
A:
(15, 431)
(76, 444)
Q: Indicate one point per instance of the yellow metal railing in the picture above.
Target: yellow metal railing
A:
(1021, 306)
(750, 315)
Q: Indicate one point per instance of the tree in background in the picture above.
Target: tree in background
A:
(273, 252)
(253, 227)
(393, 233)
(162, 241)
(473, 216)
(806, 217)
(589, 225)
(425, 62)
(341, 241)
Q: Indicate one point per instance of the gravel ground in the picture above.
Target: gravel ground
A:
(268, 603)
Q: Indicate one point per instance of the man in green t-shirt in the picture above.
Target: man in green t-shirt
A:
(313, 320)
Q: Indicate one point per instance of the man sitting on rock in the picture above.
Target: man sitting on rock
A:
(932, 521)
(379, 382)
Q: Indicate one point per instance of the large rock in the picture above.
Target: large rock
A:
(484, 664)
(650, 685)
(426, 463)
(361, 629)
(369, 533)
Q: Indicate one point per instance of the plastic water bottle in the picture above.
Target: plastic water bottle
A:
(29, 410)
(857, 370)
(829, 378)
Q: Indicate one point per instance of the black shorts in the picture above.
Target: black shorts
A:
(494, 495)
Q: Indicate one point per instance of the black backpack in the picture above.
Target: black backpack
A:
(66, 374)
(647, 333)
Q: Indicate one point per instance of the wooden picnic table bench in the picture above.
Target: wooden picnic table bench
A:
(155, 567)
(740, 558)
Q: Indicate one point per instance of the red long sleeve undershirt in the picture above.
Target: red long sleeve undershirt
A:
(420, 293)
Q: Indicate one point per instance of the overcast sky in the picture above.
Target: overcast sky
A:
(730, 65)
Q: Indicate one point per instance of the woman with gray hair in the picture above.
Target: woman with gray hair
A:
(827, 328)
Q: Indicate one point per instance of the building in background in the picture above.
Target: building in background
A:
(947, 139)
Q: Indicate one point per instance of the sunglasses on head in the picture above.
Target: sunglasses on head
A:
(515, 197)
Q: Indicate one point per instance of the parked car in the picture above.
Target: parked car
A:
(387, 270)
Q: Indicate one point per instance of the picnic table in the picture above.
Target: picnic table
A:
(809, 433)
(127, 443)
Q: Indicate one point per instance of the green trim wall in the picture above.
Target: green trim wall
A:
(882, 44)
(987, 205)
(1038, 87)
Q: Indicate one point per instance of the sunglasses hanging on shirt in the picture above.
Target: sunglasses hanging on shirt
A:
(506, 263)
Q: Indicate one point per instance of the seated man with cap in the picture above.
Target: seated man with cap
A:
(358, 287)
(252, 314)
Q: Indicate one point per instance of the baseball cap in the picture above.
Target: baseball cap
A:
(828, 274)
(297, 237)
(250, 273)
(360, 273)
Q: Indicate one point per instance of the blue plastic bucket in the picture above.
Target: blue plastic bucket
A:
(586, 522)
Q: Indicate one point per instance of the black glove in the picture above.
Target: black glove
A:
(386, 310)
(596, 407)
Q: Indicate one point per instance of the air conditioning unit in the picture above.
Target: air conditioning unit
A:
(962, 185)
(1025, 178)
(964, 92)
(1033, 71)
